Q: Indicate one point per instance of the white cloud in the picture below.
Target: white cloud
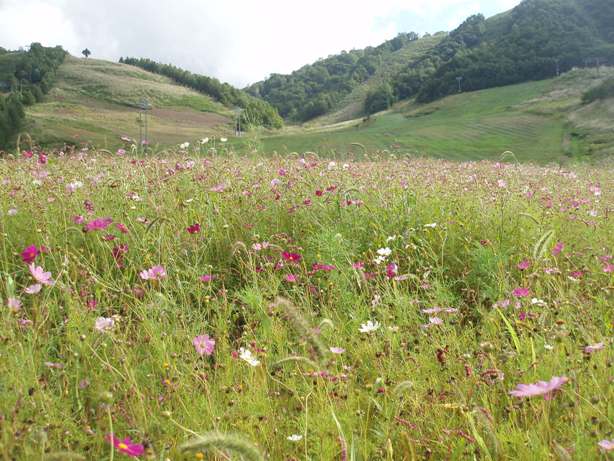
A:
(239, 41)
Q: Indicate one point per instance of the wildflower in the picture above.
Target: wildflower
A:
(121, 227)
(431, 225)
(295, 438)
(606, 445)
(501, 183)
(73, 186)
(104, 324)
(29, 254)
(218, 188)
(608, 268)
(206, 278)
(437, 310)
(433, 321)
(155, 273)
(13, 303)
(98, 224)
(204, 345)
(33, 289)
(260, 246)
(12, 211)
(521, 292)
(524, 264)
(126, 446)
(323, 267)
(291, 278)
(591, 348)
(558, 248)
(246, 354)
(384, 252)
(291, 257)
(204, 140)
(391, 270)
(337, 350)
(545, 388)
(538, 302)
(78, 219)
(193, 229)
(369, 327)
(223, 139)
(121, 152)
(39, 274)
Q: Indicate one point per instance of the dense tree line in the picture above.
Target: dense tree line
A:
(315, 89)
(256, 112)
(26, 76)
(538, 39)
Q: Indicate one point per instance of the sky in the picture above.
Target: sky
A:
(236, 41)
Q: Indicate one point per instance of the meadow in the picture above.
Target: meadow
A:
(206, 305)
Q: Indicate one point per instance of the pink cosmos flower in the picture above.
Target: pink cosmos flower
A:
(337, 350)
(155, 273)
(39, 274)
(558, 248)
(358, 265)
(606, 445)
(608, 268)
(204, 345)
(591, 348)
(98, 224)
(577, 275)
(193, 229)
(521, 292)
(78, 219)
(544, 388)
(121, 227)
(14, 304)
(437, 310)
(291, 257)
(121, 152)
(33, 289)
(207, 278)
(291, 278)
(29, 254)
(323, 267)
(524, 264)
(218, 188)
(126, 446)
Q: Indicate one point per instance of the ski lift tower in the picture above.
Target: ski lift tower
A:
(143, 106)
(238, 129)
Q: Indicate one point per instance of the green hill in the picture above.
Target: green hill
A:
(536, 40)
(539, 121)
(97, 101)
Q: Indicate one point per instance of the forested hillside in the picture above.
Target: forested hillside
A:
(256, 112)
(25, 76)
(536, 40)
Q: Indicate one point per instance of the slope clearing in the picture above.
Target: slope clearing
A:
(538, 121)
(97, 101)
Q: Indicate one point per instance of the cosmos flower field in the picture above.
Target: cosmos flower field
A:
(222, 307)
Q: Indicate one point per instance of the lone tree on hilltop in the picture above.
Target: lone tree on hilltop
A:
(86, 53)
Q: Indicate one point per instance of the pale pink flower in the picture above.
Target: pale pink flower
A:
(524, 264)
(558, 248)
(14, 304)
(521, 292)
(606, 445)
(591, 348)
(104, 324)
(337, 350)
(155, 273)
(33, 289)
(39, 274)
(544, 388)
(203, 344)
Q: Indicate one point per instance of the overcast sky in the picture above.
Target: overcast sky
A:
(238, 41)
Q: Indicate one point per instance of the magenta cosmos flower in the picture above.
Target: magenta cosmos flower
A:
(291, 257)
(524, 264)
(545, 388)
(521, 292)
(558, 248)
(29, 254)
(126, 446)
(155, 273)
(206, 278)
(204, 345)
(193, 229)
(98, 224)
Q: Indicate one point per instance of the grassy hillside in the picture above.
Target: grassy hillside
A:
(96, 101)
(538, 121)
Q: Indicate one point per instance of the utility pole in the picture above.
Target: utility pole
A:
(459, 79)
(144, 106)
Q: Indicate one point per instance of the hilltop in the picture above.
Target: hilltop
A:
(97, 101)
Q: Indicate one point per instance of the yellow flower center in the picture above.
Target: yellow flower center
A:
(122, 446)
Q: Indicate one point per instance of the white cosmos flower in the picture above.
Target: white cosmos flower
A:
(246, 354)
(204, 140)
(223, 139)
(184, 145)
(369, 327)
(295, 438)
(431, 225)
(384, 251)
